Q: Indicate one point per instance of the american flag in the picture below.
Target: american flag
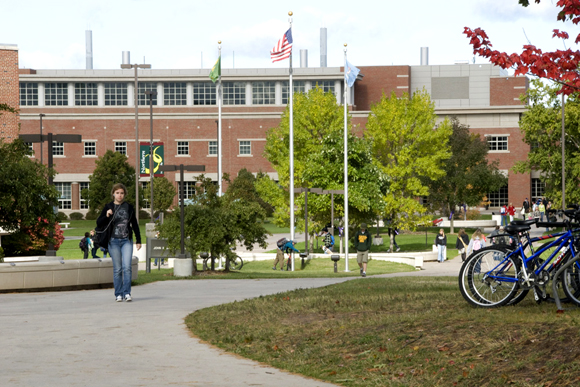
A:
(283, 48)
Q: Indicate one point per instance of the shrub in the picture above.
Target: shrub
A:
(1, 255)
(76, 216)
(61, 217)
(144, 214)
(473, 214)
(91, 215)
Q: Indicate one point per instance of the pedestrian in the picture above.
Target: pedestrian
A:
(542, 211)
(393, 232)
(462, 243)
(328, 241)
(362, 244)
(511, 210)
(287, 248)
(119, 222)
(84, 245)
(104, 251)
(525, 208)
(93, 246)
(503, 212)
(477, 242)
(441, 243)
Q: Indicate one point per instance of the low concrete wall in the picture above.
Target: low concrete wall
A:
(59, 274)
(470, 223)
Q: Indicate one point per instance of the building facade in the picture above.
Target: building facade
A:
(99, 105)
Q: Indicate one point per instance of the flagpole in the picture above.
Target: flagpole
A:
(345, 166)
(291, 93)
(219, 91)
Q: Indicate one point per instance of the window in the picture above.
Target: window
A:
(174, 93)
(188, 189)
(65, 198)
(30, 148)
(326, 86)
(213, 148)
(497, 143)
(182, 147)
(204, 93)
(121, 147)
(538, 189)
(86, 94)
(115, 94)
(245, 147)
(28, 94)
(56, 94)
(145, 187)
(84, 204)
(498, 198)
(263, 93)
(57, 148)
(234, 93)
(90, 148)
(143, 99)
(298, 86)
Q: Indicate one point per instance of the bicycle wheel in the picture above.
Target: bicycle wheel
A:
(489, 278)
(570, 282)
(236, 263)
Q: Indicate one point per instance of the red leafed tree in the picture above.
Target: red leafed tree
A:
(560, 66)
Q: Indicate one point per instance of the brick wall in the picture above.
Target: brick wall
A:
(507, 90)
(9, 91)
(378, 80)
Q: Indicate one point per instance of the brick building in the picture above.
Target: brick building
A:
(99, 105)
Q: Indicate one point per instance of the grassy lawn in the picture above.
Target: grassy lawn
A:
(398, 332)
(314, 268)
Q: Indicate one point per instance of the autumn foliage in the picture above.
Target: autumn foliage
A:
(560, 66)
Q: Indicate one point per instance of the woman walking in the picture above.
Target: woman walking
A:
(119, 222)
(441, 243)
(462, 243)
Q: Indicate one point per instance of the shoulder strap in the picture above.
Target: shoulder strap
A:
(464, 245)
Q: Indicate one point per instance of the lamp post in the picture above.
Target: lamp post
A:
(71, 138)
(151, 94)
(137, 164)
(41, 115)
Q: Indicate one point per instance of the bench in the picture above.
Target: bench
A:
(65, 225)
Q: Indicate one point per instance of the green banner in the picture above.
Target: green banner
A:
(158, 158)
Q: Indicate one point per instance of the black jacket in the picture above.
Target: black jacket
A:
(441, 241)
(103, 222)
(459, 245)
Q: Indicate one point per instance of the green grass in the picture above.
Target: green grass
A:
(314, 268)
(398, 332)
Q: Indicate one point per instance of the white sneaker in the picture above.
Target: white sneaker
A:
(119, 299)
(128, 298)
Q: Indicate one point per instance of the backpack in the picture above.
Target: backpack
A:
(83, 244)
(281, 242)
(476, 244)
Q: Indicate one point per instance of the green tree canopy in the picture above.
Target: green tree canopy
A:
(110, 169)
(163, 194)
(243, 187)
(469, 176)
(541, 126)
(410, 147)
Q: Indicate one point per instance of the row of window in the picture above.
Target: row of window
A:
(500, 197)
(174, 93)
(90, 148)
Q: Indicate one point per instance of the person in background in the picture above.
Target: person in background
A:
(441, 243)
(104, 251)
(93, 246)
(477, 242)
(287, 248)
(462, 243)
(511, 210)
(541, 210)
(503, 212)
(86, 245)
(362, 244)
(328, 241)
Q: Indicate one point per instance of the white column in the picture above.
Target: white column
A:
(338, 92)
(189, 93)
(248, 93)
(278, 99)
(160, 93)
(131, 94)
(41, 94)
(71, 94)
(100, 94)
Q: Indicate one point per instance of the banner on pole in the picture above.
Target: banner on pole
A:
(158, 158)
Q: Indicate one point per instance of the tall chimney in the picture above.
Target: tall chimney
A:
(323, 47)
(126, 57)
(303, 58)
(424, 56)
(89, 48)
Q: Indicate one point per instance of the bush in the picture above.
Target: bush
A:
(1, 255)
(144, 214)
(61, 217)
(91, 215)
(473, 214)
(76, 216)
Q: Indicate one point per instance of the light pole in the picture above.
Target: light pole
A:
(137, 164)
(151, 94)
(41, 115)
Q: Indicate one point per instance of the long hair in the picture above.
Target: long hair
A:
(119, 186)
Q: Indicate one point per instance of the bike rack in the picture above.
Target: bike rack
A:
(554, 282)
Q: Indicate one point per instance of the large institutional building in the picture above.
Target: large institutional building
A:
(99, 105)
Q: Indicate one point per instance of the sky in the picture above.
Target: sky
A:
(183, 34)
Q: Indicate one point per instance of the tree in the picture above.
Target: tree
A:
(163, 194)
(559, 66)
(541, 126)
(110, 169)
(27, 201)
(410, 148)
(469, 175)
(318, 162)
(243, 187)
(215, 224)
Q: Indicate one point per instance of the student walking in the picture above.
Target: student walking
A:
(84, 245)
(362, 244)
(462, 243)
(328, 241)
(93, 247)
(477, 242)
(119, 223)
(511, 210)
(441, 243)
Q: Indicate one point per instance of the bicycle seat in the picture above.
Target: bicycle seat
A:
(514, 229)
(527, 222)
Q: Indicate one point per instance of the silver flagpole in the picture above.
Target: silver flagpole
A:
(220, 121)
(345, 166)
(291, 93)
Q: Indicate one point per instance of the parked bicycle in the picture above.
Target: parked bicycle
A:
(235, 262)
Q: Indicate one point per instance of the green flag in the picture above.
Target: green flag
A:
(216, 70)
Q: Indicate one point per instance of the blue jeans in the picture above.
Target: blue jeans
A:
(504, 221)
(121, 251)
(441, 253)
